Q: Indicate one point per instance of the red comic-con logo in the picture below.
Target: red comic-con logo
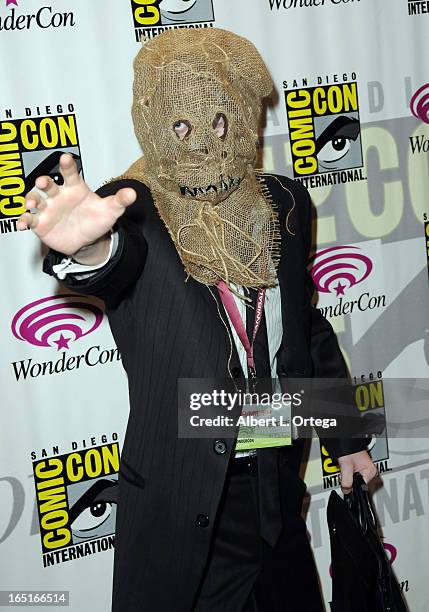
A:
(56, 320)
(338, 268)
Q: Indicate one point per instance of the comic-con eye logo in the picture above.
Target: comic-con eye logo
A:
(419, 103)
(338, 268)
(76, 496)
(324, 128)
(148, 15)
(56, 320)
(30, 148)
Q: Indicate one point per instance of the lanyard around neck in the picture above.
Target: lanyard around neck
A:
(235, 317)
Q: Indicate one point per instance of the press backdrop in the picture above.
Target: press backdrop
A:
(345, 72)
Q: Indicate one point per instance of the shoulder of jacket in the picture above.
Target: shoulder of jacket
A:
(114, 184)
(288, 196)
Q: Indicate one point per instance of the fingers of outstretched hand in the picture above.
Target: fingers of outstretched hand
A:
(47, 185)
(33, 199)
(69, 171)
(35, 202)
(27, 220)
(123, 198)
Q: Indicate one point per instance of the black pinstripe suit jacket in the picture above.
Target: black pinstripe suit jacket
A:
(166, 329)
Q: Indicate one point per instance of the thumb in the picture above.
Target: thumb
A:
(124, 197)
(346, 477)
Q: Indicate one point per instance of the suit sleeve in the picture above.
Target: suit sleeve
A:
(327, 358)
(121, 272)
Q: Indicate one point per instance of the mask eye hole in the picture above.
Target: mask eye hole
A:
(182, 129)
(220, 125)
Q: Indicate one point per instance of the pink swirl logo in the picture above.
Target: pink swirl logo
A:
(56, 320)
(419, 103)
(391, 551)
(339, 268)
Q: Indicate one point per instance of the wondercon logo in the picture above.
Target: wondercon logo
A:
(44, 17)
(339, 268)
(419, 103)
(56, 320)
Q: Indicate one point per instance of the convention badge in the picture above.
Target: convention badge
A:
(265, 419)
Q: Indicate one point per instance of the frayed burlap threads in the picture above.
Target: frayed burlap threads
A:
(204, 186)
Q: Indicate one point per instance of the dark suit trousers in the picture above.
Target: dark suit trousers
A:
(244, 573)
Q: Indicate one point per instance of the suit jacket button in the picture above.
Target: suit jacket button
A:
(235, 372)
(219, 447)
(203, 520)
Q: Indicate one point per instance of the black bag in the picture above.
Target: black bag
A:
(362, 578)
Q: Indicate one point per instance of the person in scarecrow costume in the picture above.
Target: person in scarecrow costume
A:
(183, 247)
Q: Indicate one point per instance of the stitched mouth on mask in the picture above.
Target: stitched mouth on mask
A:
(225, 185)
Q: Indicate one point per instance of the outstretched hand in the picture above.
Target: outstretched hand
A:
(71, 216)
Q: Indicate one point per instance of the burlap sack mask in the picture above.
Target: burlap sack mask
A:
(196, 109)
